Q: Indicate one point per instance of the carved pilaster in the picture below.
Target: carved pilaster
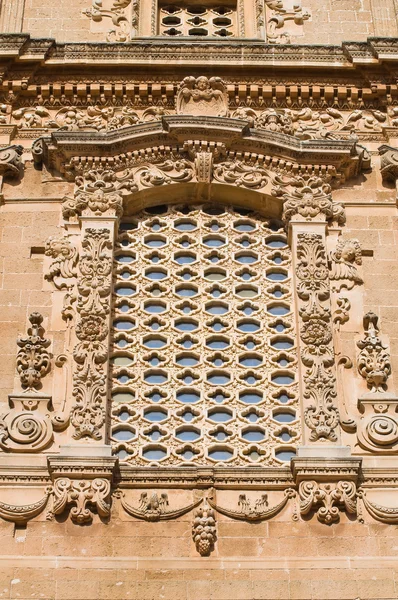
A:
(308, 209)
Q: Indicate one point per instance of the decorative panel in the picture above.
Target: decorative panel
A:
(204, 356)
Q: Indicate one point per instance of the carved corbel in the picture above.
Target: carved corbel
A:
(10, 161)
(85, 497)
(257, 513)
(204, 530)
(327, 499)
(389, 165)
(30, 424)
(154, 508)
(377, 429)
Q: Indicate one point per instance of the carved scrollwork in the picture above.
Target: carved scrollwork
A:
(317, 354)
(10, 161)
(84, 496)
(91, 353)
(204, 530)
(154, 508)
(240, 174)
(202, 96)
(343, 265)
(259, 512)
(64, 265)
(28, 426)
(327, 499)
(278, 13)
(170, 171)
(33, 360)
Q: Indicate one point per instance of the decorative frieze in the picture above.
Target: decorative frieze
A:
(153, 507)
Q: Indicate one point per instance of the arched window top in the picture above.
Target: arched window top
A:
(204, 340)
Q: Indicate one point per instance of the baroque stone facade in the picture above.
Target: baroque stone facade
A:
(198, 206)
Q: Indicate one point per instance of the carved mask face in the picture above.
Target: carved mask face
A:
(202, 83)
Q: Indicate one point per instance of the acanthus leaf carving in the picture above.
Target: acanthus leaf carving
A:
(154, 508)
(202, 96)
(33, 359)
(65, 257)
(310, 200)
(257, 513)
(91, 352)
(327, 499)
(317, 353)
(343, 265)
(204, 530)
(83, 496)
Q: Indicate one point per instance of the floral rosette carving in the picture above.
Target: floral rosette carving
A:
(92, 329)
(317, 354)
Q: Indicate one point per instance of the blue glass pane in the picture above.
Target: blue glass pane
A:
(155, 378)
(285, 455)
(185, 226)
(186, 326)
(185, 259)
(155, 242)
(156, 454)
(155, 415)
(125, 291)
(155, 308)
(219, 378)
(278, 310)
(123, 325)
(220, 416)
(188, 397)
(187, 292)
(217, 344)
(244, 227)
(220, 454)
(156, 275)
(125, 258)
(284, 417)
(253, 435)
(251, 397)
(214, 242)
(248, 326)
(188, 435)
(246, 259)
(250, 361)
(282, 344)
(187, 361)
(282, 379)
(155, 343)
(277, 276)
(276, 243)
(217, 309)
(123, 435)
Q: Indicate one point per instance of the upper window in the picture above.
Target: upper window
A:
(204, 348)
(197, 20)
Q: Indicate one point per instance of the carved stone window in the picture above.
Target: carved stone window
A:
(204, 346)
(197, 19)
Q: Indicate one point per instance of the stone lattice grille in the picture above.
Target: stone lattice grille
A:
(196, 20)
(204, 358)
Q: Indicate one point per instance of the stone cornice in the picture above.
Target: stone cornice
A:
(72, 151)
(374, 51)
